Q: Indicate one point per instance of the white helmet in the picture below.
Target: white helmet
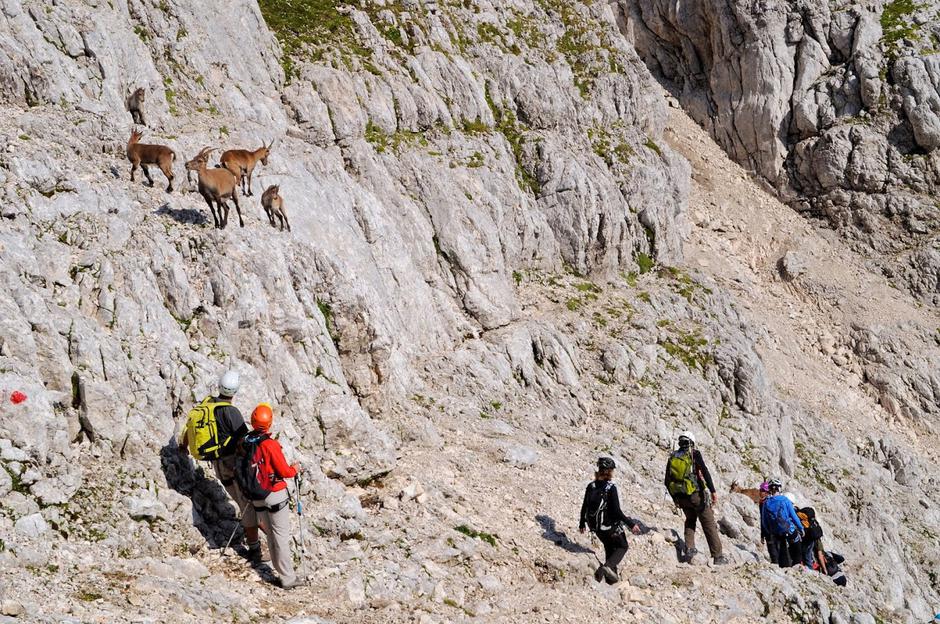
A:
(228, 384)
(685, 434)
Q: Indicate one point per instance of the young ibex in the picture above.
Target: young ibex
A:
(273, 205)
(135, 105)
(141, 155)
(751, 493)
(242, 163)
(216, 186)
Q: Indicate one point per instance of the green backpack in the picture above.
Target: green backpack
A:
(202, 432)
(681, 472)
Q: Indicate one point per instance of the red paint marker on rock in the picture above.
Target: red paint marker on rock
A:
(17, 397)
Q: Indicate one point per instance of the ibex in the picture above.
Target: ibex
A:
(216, 186)
(135, 104)
(141, 155)
(752, 493)
(273, 205)
(242, 163)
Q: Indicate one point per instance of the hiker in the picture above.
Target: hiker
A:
(213, 430)
(812, 538)
(765, 537)
(830, 565)
(262, 474)
(686, 473)
(600, 511)
(782, 526)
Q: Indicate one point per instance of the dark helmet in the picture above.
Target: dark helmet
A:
(606, 463)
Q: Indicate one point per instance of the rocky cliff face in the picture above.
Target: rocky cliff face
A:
(484, 288)
(835, 104)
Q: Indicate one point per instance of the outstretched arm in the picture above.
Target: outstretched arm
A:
(582, 518)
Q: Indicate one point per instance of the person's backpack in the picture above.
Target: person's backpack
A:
(254, 476)
(779, 520)
(811, 528)
(597, 506)
(202, 432)
(681, 471)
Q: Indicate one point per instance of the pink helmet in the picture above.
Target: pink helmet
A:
(765, 486)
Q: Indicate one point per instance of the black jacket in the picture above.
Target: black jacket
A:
(613, 514)
(699, 469)
(231, 427)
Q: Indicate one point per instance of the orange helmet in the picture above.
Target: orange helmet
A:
(262, 416)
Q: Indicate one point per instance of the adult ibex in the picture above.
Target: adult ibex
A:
(242, 163)
(216, 186)
(141, 155)
(273, 205)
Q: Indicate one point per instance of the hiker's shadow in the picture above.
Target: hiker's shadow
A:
(559, 538)
(214, 515)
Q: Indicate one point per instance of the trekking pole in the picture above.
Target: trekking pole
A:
(303, 541)
(238, 523)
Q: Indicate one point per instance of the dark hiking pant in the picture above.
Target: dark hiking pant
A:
(784, 551)
(773, 549)
(615, 547)
(696, 509)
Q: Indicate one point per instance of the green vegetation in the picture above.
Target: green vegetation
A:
(897, 26)
(683, 284)
(810, 462)
(475, 160)
(644, 262)
(142, 32)
(587, 287)
(475, 127)
(650, 143)
(396, 141)
(87, 596)
(610, 148)
(690, 348)
(309, 29)
(517, 277)
(586, 44)
(489, 538)
(170, 94)
(512, 130)
(327, 311)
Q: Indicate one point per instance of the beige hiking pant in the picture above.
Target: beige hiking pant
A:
(276, 527)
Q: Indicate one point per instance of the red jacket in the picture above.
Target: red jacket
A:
(274, 458)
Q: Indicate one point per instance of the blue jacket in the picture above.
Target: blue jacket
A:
(778, 517)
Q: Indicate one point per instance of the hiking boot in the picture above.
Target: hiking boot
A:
(721, 560)
(609, 575)
(599, 574)
(291, 584)
(690, 555)
(256, 554)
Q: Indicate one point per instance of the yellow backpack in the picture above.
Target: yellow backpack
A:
(202, 432)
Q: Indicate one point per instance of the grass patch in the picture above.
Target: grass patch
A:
(395, 141)
(651, 144)
(645, 264)
(683, 284)
(513, 131)
(327, 311)
(690, 348)
(897, 26)
(308, 29)
(489, 538)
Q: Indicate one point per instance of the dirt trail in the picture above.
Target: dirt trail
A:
(739, 234)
